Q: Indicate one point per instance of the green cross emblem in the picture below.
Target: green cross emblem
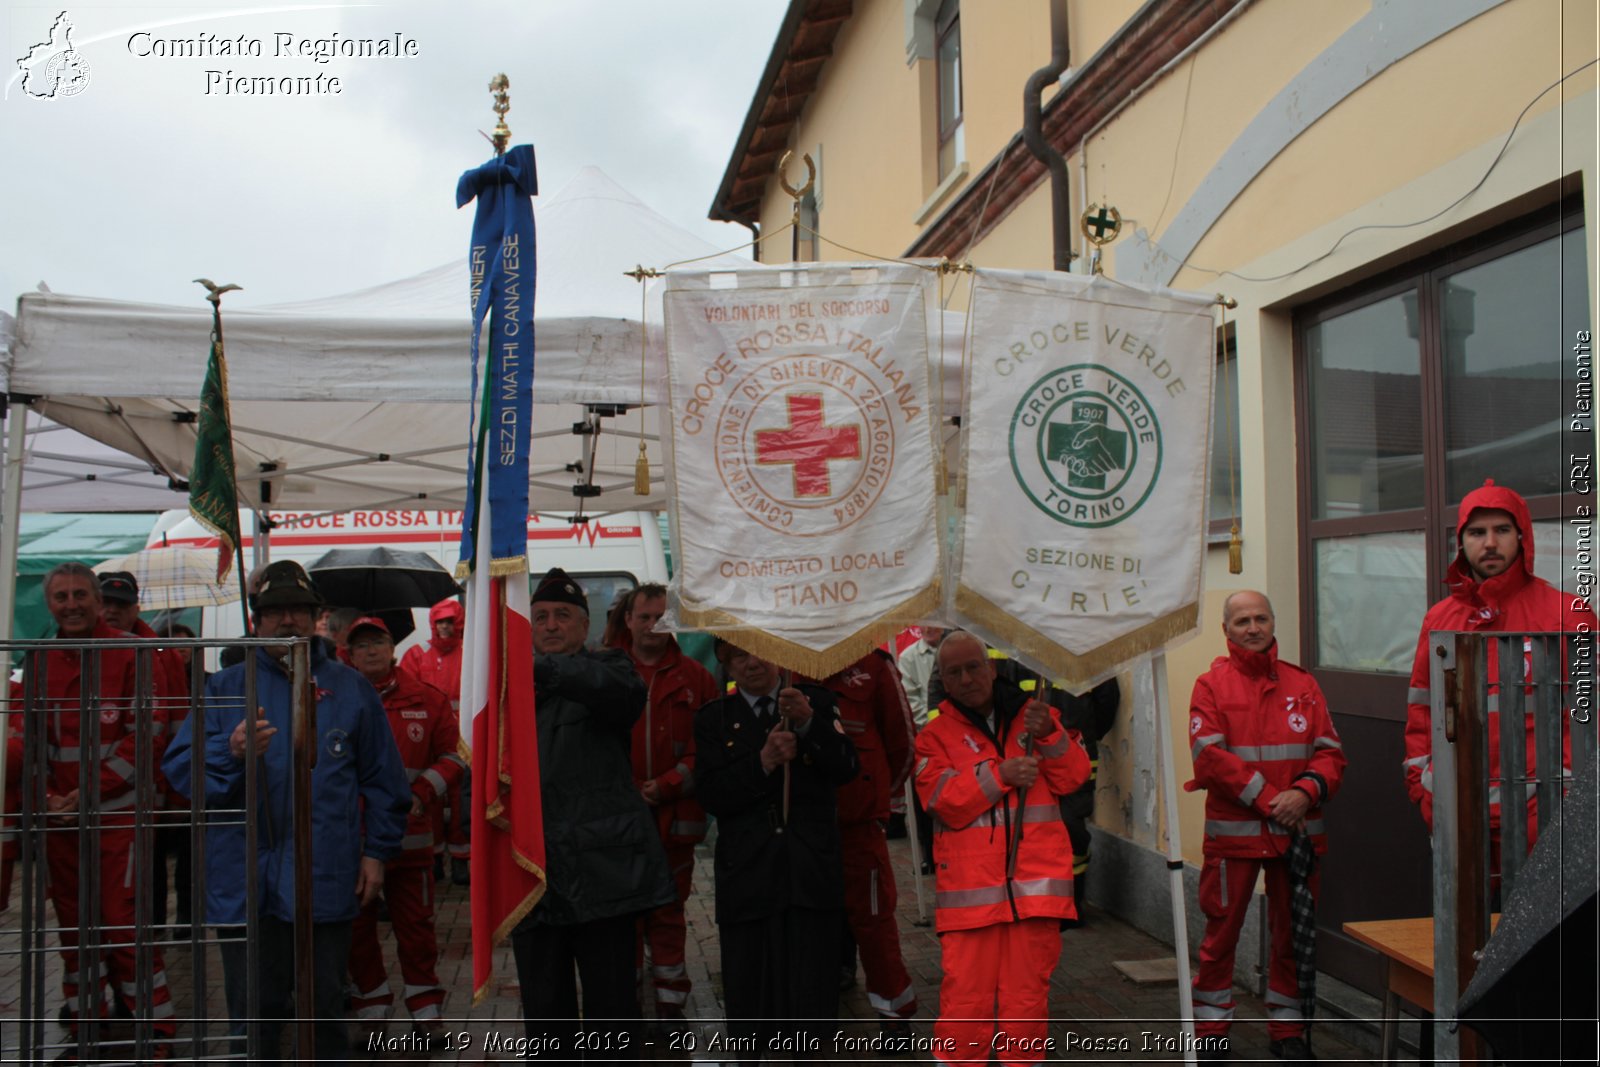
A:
(1101, 224)
(1087, 446)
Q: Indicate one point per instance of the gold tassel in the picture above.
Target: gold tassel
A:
(641, 474)
(1235, 551)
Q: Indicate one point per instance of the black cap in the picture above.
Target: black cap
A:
(119, 586)
(557, 585)
(286, 584)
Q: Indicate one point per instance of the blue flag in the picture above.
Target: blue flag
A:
(503, 268)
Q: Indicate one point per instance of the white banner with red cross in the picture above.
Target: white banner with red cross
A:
(801, 477)
(1087, 429)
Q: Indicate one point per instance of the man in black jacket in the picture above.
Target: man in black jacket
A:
(603, 857)
(769, 758)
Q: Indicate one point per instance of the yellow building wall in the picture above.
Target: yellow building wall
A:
(1400, 148)
(864, 122)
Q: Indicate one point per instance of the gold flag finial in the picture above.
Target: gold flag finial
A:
(500, 86)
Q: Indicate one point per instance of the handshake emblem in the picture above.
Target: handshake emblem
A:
(1087, 446)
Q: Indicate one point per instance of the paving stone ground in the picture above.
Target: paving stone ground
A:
(1098, 1016)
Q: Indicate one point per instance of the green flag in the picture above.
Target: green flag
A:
(213, 497)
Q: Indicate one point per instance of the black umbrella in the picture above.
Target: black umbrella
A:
(1533, 994)
(378, 579)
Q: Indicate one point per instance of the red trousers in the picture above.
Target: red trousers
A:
(995, 997)
(1226, 885)
(869, 901)
(408, 889)
(665, 931)
(118, 958)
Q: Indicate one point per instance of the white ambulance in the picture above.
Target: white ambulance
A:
(607, 555)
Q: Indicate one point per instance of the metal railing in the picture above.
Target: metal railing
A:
(1538, 681)
(100, 722)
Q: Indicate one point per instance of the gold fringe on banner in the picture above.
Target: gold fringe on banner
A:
(498, 568)
(807, 661)
(1074, 670)
(503, 929)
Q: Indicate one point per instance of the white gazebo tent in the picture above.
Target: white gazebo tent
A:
(354, 401)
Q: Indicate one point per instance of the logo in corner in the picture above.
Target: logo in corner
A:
(53, 68)
(1085, 446)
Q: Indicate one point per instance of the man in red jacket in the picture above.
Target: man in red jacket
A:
(875, 713)
(426, 731)
(439, 664)
(72, 594)
(119, 596)
(1267, 755)
(1492, 587)
(663, 770)
(991, 770)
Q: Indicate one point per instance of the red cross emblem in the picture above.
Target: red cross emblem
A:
(808, 443)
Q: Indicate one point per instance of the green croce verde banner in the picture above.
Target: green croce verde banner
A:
(1088, 414)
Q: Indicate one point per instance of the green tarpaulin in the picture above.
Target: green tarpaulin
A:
(46, 540)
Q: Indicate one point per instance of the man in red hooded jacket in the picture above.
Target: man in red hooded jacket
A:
(426, 732)
(1493, 588)
(439, 664)
(1267, 755)
(663, 769)
(875, 713)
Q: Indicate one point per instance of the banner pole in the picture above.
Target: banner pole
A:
(1171, 838)
(916, 852)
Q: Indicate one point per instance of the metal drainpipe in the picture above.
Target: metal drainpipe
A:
(1033, 136)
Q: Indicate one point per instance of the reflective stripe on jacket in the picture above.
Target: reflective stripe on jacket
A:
(426, 732)
(112, 708)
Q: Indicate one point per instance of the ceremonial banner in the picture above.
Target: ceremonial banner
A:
(1087, 442)
(802, 458)
(498, 732)
(213, 493)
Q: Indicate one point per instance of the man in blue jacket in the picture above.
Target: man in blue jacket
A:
(356, 763)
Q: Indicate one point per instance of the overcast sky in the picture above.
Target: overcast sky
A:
(143, 181)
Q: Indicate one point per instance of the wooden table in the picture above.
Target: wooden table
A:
(1407, 949)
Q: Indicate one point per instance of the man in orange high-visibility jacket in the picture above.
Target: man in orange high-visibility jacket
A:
(991, 769)
(1267, 755)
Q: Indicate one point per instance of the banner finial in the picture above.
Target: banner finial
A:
(500, 86)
